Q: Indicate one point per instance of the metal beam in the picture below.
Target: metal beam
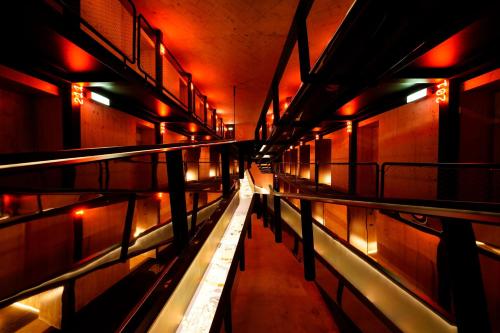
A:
(277, 213)
(307, 240)
(176, 188)
(127, 227)
(194, 214)
(226, 177)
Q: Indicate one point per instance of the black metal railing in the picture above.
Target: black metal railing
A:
(124, 234)
(445, 225)
(400, 180)
(140, 47)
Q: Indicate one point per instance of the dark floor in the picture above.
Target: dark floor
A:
(271, 295)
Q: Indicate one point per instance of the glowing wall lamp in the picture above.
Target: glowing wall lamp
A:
(162, 128)
(416, 95)
(99, 98)
(316, 136)
(162, 49)
(349, 126)
(79, 213)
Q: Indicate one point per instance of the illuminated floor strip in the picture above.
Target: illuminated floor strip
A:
(201, 311)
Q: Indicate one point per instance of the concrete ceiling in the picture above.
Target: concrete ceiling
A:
(237, 42)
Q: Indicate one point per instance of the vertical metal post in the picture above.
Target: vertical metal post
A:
(214, 120)
(127, 227)
(307, 240)
(77, 238)
(228, 321)
(159, 59)
(464, 272)
(68, 307)
(460, 279)
(226, 177)
(353, 157)
(303, 45)
(176, 188)
(205, 110)
(190, 92)
(194, 214)
(241, 163)
(277, 213)
(264, 210)
(242, 256)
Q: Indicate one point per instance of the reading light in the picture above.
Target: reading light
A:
(79, 212)
(99, 98)
(416, 95)
(162, 128)
(162, 49)
(316, 136)
(192, 86)
(349, 126)
(230, 128)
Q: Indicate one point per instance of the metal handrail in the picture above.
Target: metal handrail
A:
(89, 155)
(486, 217)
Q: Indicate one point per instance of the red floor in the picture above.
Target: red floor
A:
(271, 295)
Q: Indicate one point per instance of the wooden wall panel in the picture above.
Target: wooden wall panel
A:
(340, 154)
(18, 126)
(409, 133)
(304, 160)
(323, 151)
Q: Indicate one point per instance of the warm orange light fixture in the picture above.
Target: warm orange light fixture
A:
(159, 196)
(162, 49)
(79, 212)
(162, 128)
(349, 126)
(317, 136)
(442, 92)
(301, 143)
(192, 137)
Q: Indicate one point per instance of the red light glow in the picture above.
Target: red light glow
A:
(159, 196)
(79, 213)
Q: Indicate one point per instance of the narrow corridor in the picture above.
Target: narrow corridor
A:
(271, 295)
